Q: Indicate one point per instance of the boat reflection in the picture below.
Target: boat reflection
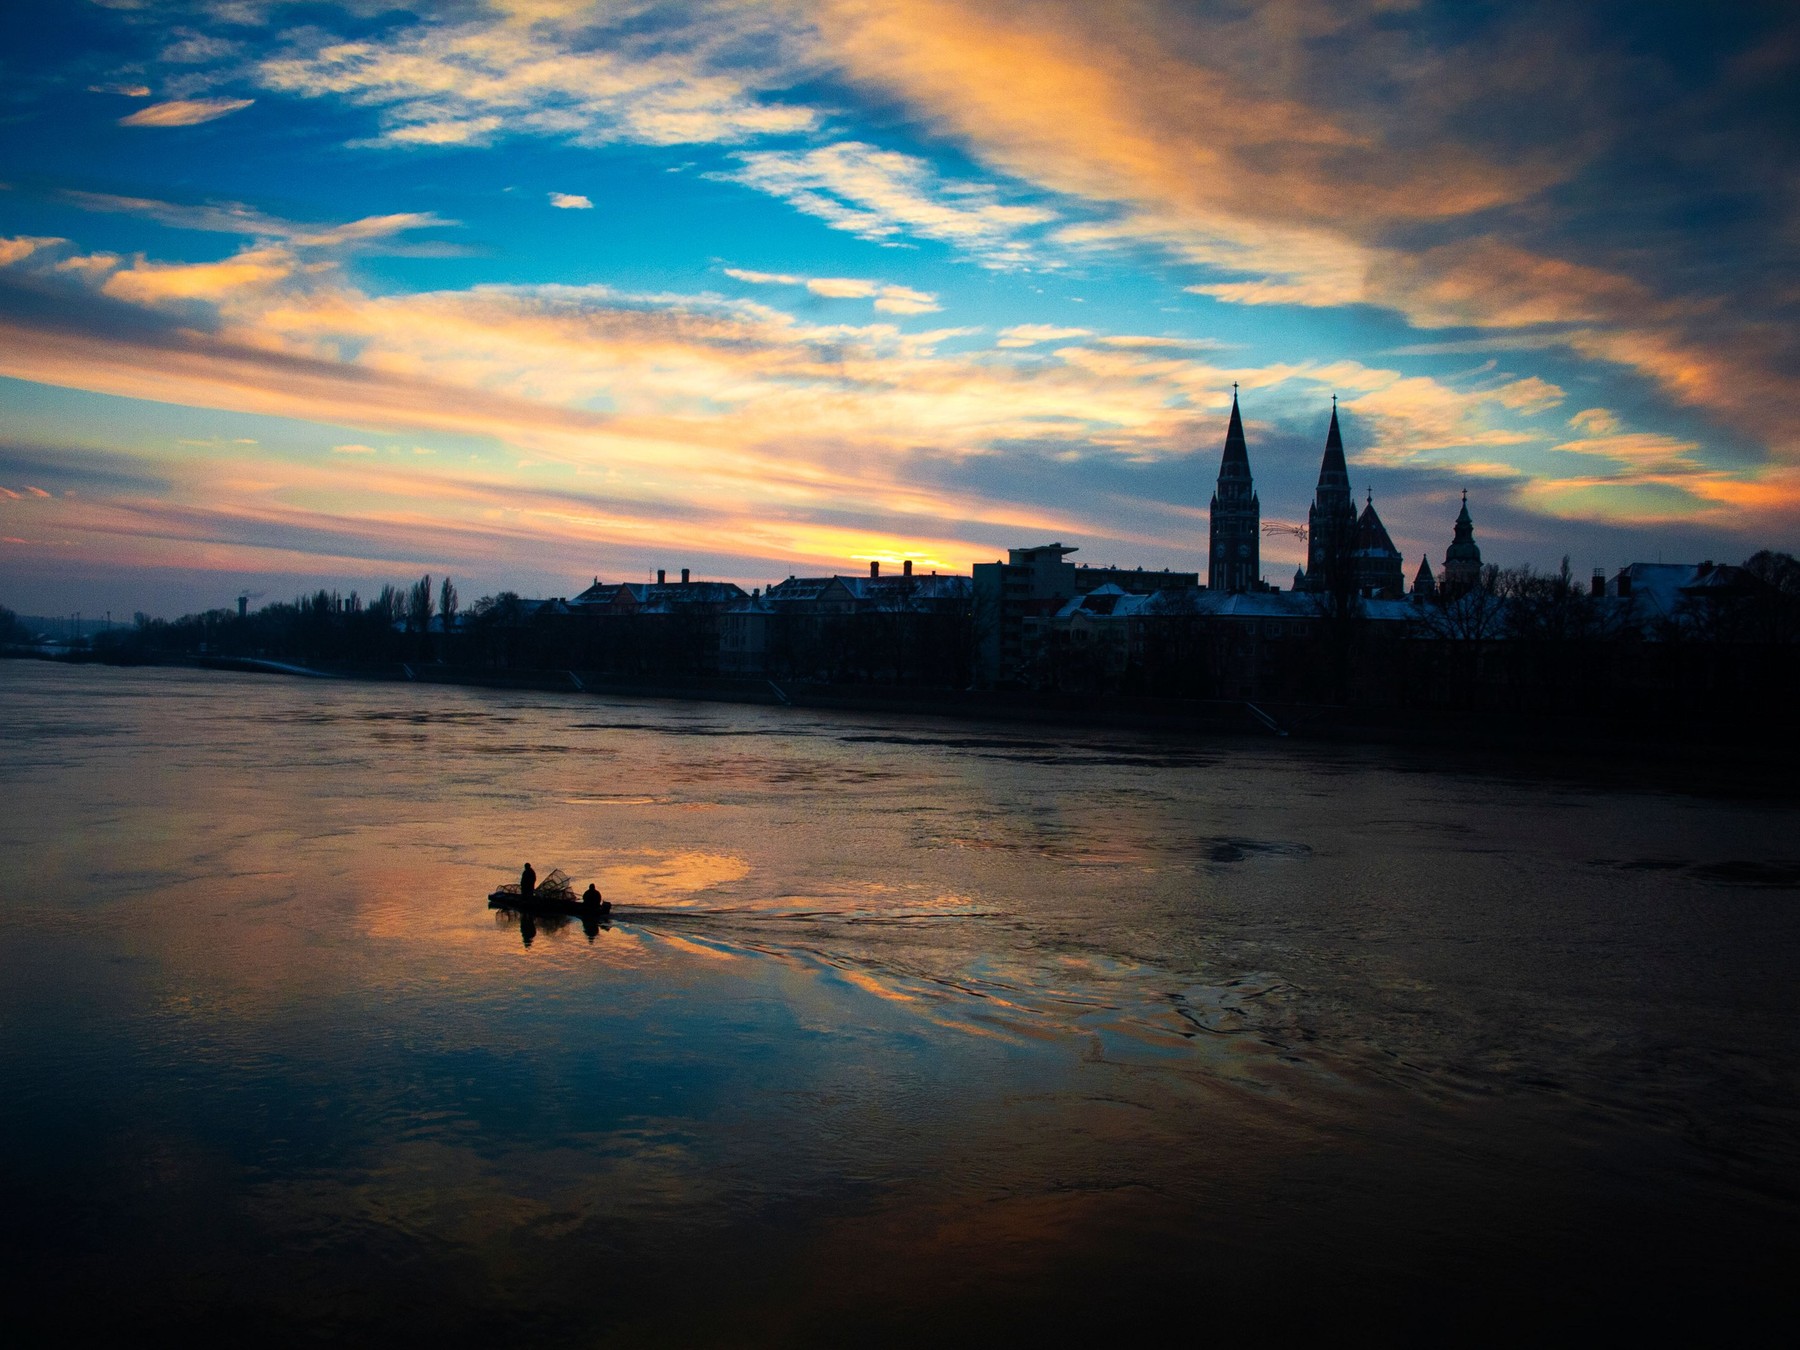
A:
(532, 922)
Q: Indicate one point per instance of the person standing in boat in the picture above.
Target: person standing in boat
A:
(527, 883)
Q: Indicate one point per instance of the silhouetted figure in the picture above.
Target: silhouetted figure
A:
(591, 901)
(527, 883)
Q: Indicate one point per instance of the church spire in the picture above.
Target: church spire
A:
(1235, 463)
(1331, 523)
(1333, 472)
(1235, 547)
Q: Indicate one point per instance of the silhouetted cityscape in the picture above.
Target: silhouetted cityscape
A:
(1668, 639)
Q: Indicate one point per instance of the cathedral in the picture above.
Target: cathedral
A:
(1346, 551)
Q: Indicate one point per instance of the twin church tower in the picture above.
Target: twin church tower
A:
(1343, 548)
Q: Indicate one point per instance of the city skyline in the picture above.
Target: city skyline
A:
(301, 296)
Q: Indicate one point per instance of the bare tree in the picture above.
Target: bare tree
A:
(389, 605)
(1476, 615)
(447, 603)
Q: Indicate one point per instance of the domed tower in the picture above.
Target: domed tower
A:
(1234, 560)
(1462, 560)
(1331, 523)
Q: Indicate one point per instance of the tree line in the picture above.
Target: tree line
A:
(1517, 640)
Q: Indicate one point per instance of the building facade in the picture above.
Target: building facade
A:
(1015, 600)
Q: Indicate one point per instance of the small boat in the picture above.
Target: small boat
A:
(548, 904)
(553, 895)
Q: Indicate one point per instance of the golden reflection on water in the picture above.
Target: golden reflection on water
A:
(668, 875)
(951, 1005)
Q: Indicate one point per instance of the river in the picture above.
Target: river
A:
(902, 1028)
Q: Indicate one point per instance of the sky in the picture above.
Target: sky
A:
(530, 293)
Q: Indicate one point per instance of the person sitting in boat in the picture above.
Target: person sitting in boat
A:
(591, 898)
(527, 883)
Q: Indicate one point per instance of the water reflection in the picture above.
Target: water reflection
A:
(530, 923)
(895, 1023)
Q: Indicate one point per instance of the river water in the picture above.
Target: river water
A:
(902, 1028)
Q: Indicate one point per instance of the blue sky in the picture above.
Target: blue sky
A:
(300, 295)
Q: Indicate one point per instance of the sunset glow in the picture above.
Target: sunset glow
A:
(528, 292)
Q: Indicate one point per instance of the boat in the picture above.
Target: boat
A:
(553, 895)
(547, 904)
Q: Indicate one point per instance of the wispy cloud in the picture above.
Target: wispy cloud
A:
(888, 297)
(1594, 422)
(1640, 451)
(887, 196)
(236, 218)
(185, 112)
(194, 48)
(570, 201)
(536, 70)
(1030, 334)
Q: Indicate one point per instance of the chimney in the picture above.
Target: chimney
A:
(906, 568)
(1624, 583)
(660, 575)
(684, 576)
(874, 569)
(243, 606)
(1597, 586)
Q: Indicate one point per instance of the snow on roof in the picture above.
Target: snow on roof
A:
(1656, 587)
(1113, 602)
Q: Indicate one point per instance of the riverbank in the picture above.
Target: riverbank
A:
(1720, 754)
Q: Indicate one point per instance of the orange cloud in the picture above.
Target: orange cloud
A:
(148, 283)
(1594, 422)
(1205, 132)
(20, 247)
(1117, 107)
(185, 112)
(652, 421)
